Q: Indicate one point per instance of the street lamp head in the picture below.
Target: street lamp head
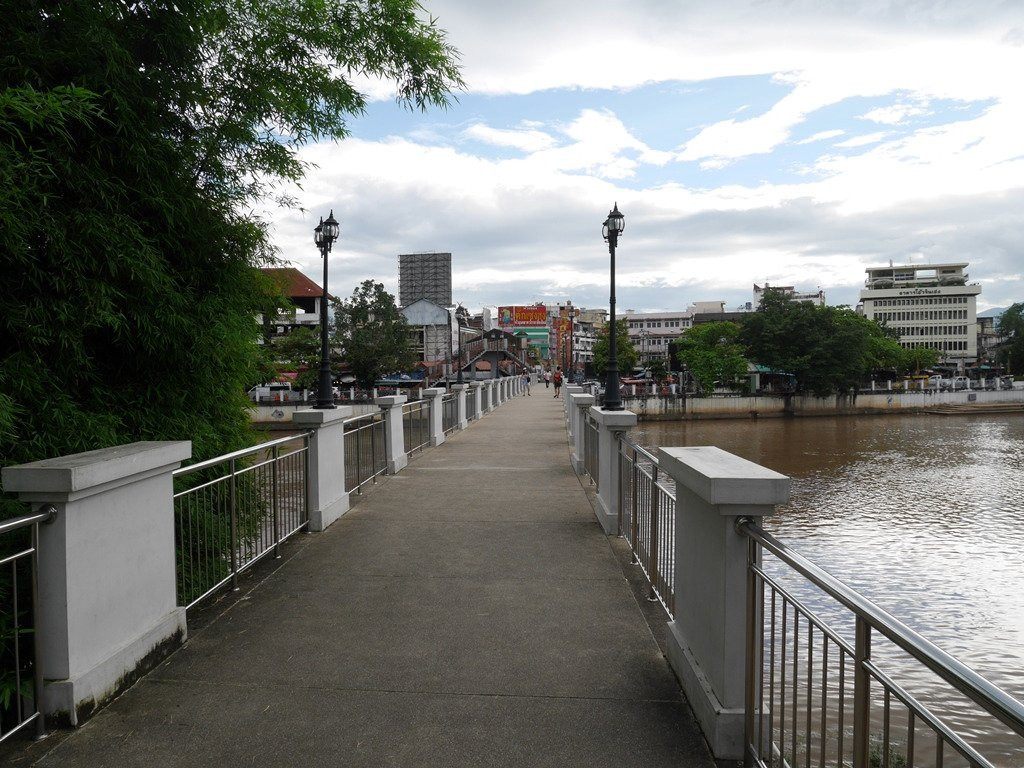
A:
(326, 232)
(615, 224)
(318, 233)
(331, 228)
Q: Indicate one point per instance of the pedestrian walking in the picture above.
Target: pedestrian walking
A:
(526, 384)
(556, 379)
(547, 379)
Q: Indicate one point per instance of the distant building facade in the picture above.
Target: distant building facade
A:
(303, 293)
(817, 298)
(651, 332)
(929, 305)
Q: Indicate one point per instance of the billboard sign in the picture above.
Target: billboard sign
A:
(522, 317)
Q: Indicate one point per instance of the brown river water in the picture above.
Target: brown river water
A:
(920, 513)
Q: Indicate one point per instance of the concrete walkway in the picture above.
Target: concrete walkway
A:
(467, 612)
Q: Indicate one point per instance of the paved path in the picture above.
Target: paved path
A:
(467, 612)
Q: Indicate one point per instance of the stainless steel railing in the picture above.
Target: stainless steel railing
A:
(416, 425)
(846, 690)
(232, 510)
(449, 413)
(647, 510)
(21, 677)
(365, 450)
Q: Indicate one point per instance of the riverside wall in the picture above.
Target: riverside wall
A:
(674, 407)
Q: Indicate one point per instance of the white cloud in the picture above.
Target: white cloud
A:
(822, 136)
(528, 140)
(895, 114)
(861, 141)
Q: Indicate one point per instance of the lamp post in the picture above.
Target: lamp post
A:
(461, 316)
(324, 235)
(613, 227)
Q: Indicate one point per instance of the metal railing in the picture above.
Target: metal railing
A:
(818, 693)
(365, 450)
(590, 450)
(416, 426)
(232, 510)
(449, 413)
(21, 677)
(647, 511)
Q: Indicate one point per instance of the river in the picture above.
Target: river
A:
(921, 513)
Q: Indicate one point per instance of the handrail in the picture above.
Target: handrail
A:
(991, 698)
(44, 515)
(238, 454)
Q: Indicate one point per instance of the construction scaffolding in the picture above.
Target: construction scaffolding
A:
(425, 276)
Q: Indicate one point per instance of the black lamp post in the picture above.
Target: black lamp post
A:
(324, 235)
(461, 316)
(613, 227)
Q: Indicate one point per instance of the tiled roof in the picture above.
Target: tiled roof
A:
(294, 284)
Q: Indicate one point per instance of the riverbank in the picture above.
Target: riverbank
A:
(676, 408)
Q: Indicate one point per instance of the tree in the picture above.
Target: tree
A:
(1011, 326)
(827, 349)
(712, 354)
(624, 350)
(372, 334)
(659, 369)
(134, 140)
(299, 351)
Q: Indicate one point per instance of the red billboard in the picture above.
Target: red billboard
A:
(522, 317)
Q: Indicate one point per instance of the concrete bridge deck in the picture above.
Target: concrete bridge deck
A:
(468, 611)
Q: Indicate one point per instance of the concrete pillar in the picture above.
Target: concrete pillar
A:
(107, 602)
(707, 640)
(436, 421)
(476, 388)
(325, 492)
(609, 425)
(394, 433)
(460, 393)
(568, 392)
(492, 394)
(580, 405)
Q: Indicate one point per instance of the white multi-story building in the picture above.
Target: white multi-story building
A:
(651, 332)
(929, 305)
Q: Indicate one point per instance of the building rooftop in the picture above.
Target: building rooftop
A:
(293, 283)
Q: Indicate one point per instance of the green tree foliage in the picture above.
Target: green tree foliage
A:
(712, 353)
(371, 333)
(659, 369)
(827, 349)
(299, 351)
(624, 349)
(134, 140)
(1011, 325)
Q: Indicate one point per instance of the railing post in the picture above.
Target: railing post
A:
(579, 405)
(570, 415)
(394, 433)
(475, 390)
(707, 642)
(861, 694)
(107, 606)
(460, 393)
(436, 417)
(326, 496)
(610, 424)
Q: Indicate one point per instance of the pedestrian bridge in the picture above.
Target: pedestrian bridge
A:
(452, 582)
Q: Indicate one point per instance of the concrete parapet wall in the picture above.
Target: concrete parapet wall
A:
(669, 408)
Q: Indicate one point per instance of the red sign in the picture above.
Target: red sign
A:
(523, 317)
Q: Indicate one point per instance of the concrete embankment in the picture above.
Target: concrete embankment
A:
(679, 409)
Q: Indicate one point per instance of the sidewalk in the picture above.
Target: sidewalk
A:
(467, 612)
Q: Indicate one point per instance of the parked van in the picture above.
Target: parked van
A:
(960, 382)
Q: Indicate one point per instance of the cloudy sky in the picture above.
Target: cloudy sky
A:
(793, 142)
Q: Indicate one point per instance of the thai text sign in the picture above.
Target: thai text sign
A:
(518, 317)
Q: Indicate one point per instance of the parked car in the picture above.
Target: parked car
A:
(960, 382)
(1006, 382)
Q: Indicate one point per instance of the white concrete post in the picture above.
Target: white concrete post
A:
(476, 387)
(501, 392)
(325, 492)
(394, 432)
(460, 392)
(436, 421)
(492, 394)
(609, 425)
(107, 602)
(569, 391)
(580, 405)
(707, 640)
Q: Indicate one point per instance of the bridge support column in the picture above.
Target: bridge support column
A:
(394, 433)
(107, 603)
(707, 639)
(460, 392)
(326, 494)
(610, 424)
(436, 422)
(580, 404)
